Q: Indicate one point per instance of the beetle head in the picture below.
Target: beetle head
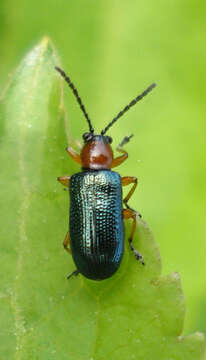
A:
(96, 153)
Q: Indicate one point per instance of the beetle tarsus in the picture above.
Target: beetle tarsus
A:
(125, 141)
(75, 273)
(138, 256)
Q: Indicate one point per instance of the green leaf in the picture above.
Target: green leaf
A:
(137, 314)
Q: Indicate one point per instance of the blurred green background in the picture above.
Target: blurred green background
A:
(112, 50)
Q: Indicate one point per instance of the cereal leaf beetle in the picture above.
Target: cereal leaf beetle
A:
(96, 235)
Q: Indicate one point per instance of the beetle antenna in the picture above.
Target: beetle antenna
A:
(75, 92)
(127, 107)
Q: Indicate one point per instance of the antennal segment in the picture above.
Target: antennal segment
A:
(132, 103)
(75, 92)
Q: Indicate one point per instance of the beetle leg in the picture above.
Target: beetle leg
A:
(119, 160)
(74, 155)
(127, 180)
(64, 180)
(67, 242)
(75, 272)
(131, 214)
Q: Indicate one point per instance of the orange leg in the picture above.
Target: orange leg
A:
(130, 214)
(127, 180)
(74, 155)
(119, 160)
(67, 242)
(64, 180)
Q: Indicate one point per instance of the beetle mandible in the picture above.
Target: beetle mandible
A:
(96, 235)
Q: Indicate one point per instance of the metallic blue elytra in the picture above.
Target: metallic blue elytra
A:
(96, 224)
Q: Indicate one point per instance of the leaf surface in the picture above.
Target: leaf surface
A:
(136, 314)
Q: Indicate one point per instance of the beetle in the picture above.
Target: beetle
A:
(96, 235)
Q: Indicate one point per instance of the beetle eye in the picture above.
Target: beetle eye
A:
(87, 137)
(108, 139)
